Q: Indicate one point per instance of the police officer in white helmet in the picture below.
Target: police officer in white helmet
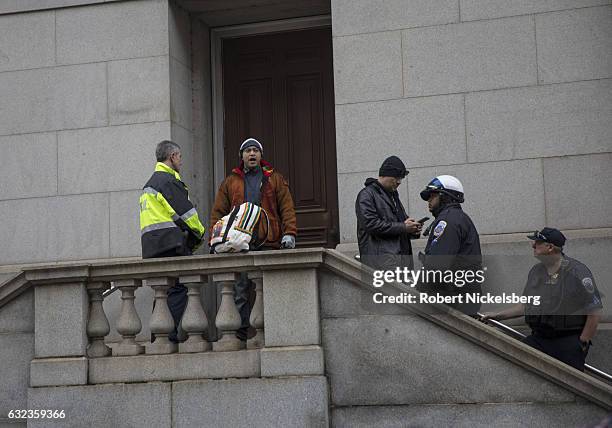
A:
(453, 243)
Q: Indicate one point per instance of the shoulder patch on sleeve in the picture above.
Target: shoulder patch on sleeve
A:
(588, 284)
(439, 229)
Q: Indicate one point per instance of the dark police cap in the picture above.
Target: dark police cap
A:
(393, 167)
(550, 235)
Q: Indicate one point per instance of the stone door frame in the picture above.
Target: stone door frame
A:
(217, 35)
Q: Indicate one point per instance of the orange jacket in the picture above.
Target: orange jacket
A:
(275, 199)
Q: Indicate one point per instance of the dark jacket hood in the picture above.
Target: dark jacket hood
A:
(374, 182)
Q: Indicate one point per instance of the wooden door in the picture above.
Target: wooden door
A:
(278, 88)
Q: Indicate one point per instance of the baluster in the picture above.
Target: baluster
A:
(194, 320)
(161, 323)
(128, 324)
(257, 313)
(97, 323)
(228, 318)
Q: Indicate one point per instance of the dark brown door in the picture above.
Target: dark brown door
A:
(278, 89)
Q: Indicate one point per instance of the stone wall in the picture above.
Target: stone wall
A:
(514, 98)
(388, 367)
(88, 91)
(16, 352)
(203, 190)
(297, 401)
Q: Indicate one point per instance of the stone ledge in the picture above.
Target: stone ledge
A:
(172, 367)
(132, 267)
(292, 361)
(206, 264)
(13, 287)
(56, 275)
(288, 259)
(58, 372)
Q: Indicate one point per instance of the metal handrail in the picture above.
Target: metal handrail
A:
(109, 292)
(516, 333)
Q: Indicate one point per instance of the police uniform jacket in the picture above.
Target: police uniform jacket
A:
(453, 242)
(169, 223)
(381, 231)
(453, 245)
(566, 298)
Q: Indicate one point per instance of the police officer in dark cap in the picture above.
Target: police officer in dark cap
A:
(384, 229)
(453, 242)
(566, 318)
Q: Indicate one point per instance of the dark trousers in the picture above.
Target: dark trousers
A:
(177, 302)
(567, 348)
(242, 292)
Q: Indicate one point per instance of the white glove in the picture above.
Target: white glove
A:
(288, 241)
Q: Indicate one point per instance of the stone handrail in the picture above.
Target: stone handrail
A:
(14, 286)
(483, 335)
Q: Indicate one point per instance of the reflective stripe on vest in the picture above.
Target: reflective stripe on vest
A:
(158, 226)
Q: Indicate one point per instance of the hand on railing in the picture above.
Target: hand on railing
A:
(487, 319)
(488, 316)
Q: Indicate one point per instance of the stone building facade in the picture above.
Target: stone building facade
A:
(514, 98)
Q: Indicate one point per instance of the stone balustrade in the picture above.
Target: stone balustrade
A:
(73, 329)
(194, 324)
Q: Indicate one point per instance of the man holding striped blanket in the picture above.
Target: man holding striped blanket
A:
(254, 180)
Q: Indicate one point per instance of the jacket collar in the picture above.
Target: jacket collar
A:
(391, 198)
(162, 167)
(447, 206)
(266, 168)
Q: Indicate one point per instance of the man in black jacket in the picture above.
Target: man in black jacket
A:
(384, 229)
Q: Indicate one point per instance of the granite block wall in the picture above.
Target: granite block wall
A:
(88, 89)
(514, 98)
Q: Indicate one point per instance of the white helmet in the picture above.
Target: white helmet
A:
(446, 184)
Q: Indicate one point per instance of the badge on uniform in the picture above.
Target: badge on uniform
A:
(588, 284)
(439, 229)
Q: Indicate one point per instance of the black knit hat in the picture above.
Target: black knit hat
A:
(393, 167)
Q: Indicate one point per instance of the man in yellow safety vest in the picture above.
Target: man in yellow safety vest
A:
(169, 223)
